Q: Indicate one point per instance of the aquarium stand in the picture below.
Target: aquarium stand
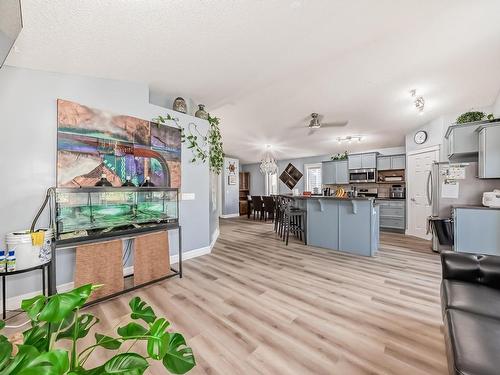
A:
(123, 236)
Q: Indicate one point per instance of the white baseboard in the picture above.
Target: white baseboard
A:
(229, 216)
(14, 303)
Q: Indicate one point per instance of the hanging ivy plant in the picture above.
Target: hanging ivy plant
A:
(202, 146)
(216, 151)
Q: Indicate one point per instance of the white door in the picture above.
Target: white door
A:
(419, 206)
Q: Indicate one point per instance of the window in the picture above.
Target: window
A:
(313, 177)
(271, 184)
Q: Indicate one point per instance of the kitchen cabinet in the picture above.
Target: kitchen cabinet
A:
(476, 230)
(334, 172)
(363, 161)
(391, 162)
(489, 151)
(355, 161)
(342, 172)
(463, 142)
(392, 214)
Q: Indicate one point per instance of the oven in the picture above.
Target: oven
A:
(362, 175)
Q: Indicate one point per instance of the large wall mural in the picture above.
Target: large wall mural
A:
(91, 142)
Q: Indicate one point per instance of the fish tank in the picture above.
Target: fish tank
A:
(99, 212)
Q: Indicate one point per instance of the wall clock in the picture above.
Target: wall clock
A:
(420, 137)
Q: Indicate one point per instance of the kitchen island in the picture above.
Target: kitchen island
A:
(350, 225)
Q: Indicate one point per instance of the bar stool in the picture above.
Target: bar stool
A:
(295, 221)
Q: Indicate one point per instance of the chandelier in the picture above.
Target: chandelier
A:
(268, 163)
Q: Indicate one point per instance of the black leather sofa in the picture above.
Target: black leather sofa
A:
(470, 296)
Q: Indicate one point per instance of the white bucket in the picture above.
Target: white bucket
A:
(27, 255)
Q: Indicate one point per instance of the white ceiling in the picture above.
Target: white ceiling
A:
(264, 65)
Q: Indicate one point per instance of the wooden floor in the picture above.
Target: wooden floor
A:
(255, 306)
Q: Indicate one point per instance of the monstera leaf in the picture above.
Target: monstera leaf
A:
(140, 310)
(61, 305)
(179, 358)
(54, 362)
(159, 339)
(33, 306)
(83, 325)
(26, 354)
(37, 336)
(132, 329)
(126, 364)
(5, 352)
(107, 342)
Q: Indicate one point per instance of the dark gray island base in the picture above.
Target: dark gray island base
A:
(345, 224)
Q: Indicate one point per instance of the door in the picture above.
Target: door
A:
(419, 201)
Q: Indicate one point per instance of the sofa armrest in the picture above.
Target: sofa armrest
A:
(473, 268)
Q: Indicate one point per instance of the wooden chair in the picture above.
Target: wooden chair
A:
(269, 207)
(258, 206)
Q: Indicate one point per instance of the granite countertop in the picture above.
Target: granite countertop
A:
(323, 197)
(475, 207)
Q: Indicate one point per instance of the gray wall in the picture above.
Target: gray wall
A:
(230, 193)
(496, 106)
(214, 205)
(257, 179)
(28, 119)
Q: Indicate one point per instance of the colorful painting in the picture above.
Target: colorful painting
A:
(92, 142)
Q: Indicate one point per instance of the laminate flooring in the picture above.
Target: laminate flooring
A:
(256, 306)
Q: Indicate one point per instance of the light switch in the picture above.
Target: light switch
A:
(188, 196)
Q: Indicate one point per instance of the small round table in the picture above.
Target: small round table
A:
(5, 274)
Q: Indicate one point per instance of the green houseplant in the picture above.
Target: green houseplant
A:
(58, 317)
(473, 116)
(203, 146)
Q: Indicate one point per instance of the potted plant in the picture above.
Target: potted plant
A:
(340, 156)
(473, 116)
(58, 318)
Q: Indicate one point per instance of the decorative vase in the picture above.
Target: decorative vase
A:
(180, 105)
(201, 113)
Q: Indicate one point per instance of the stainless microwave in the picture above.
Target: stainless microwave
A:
(362, 175)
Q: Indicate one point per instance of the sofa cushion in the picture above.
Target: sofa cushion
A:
(470, 297)
(474, 268)
(472, 342)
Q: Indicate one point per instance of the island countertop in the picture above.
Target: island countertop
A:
(343, 224)
(326, 197)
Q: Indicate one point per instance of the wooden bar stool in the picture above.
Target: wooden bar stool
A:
(295, 221)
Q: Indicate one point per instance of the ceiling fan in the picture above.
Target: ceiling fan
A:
(316, 124)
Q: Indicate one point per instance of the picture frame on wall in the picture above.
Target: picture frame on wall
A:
(231, 179)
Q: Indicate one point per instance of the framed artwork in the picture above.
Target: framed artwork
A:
(92, 142)
(231, 179)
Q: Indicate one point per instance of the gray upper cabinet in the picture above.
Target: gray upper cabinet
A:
(328, 172)
(489, 151)
(355, 161)
(398, 162)
(363, 161)
(463, 142)
(342, 172)
(369, 160)
(385, 163)
(334, 172)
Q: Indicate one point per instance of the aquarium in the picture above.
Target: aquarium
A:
(100, 211)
